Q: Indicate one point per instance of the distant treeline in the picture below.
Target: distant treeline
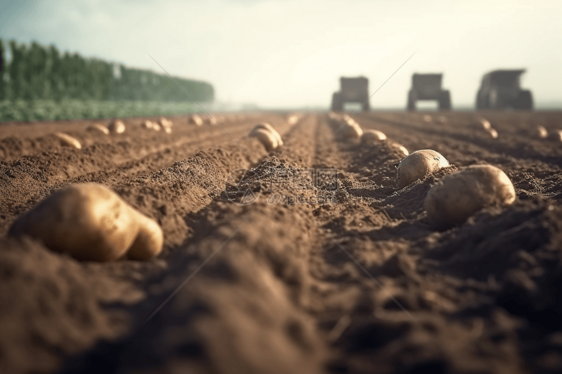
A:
(37, 72)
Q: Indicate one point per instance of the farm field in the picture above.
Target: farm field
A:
(326, 267)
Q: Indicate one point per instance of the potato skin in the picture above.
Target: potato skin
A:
(458, 196)
(268, 140)
(96, 127)
(68, 140)
(116, 127)
(87, 221)
(149, 240)
(372, 137)
(351, 131)
(418, 165)
(268, 127)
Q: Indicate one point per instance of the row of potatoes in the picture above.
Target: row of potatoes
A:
(481, 123)
(92, 223)
(457, 196)
(114, 127)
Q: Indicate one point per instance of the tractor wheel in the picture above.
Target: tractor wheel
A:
(411, 100)
(524, 101)
(445, 101)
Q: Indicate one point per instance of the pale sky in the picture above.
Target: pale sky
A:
(291, 53)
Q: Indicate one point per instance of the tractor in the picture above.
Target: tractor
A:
(428, 87)
(501, 89)
(352, 90)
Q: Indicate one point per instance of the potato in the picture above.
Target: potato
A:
(293, 119)
(419, 165)
(195, 120)
(155, 126)
(116, 127)
(401, 148)
(427, 118)
(99, 128)
(89, 222)
(351, 131)
(486, 125)
(268, 127)
(372, 137)
(68, 141)
(268, 140)
(165, 123)
(493, 133)
(458, 196)
(168, 130)
(147, 125)
(442, 119)
(542, 133)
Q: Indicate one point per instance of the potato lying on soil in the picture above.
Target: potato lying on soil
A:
(351, 131)
(419, 165)
(116, 127)
(165, 123)
(372, 137)
(401, 148)
(485, 124)
(156, 127)
(90, 222)
(542, 133)
(268, 127)
(459, 195)
(493, 133)
(98, 128)
(442, 119)
(194, 119)
(147, 125)
(268, 140)
(68, 141)
(427, 118)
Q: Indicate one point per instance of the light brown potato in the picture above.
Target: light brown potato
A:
(68, 141)
(542, 133)
(401, 148)
(194, 119)
(458, 196)
(493, 133)
(149, 240)
(442, 119)
(268, 140)
(486, 125)
(147, 125)
(427, 118)
(419, 165)
(156, 127)
(168, 130)
(89, 222)
(116, 127)
(268, 127)
(351, 131)
(293, 119)
(372, 137)
(99, 128)
(165, 123)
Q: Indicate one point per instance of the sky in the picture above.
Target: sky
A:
(291, 53)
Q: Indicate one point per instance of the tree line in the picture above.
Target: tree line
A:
(37, 72)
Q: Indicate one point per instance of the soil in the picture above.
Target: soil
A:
(313, 262)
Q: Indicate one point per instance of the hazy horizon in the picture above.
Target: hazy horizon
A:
(288, 53)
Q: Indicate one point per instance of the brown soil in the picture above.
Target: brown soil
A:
(331, 270)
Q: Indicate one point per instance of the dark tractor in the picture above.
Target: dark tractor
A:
(428, 87)
(352, 90)
(501, 89)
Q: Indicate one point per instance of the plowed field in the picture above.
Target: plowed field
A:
(318, 265)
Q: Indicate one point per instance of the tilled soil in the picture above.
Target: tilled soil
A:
(323, 267)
